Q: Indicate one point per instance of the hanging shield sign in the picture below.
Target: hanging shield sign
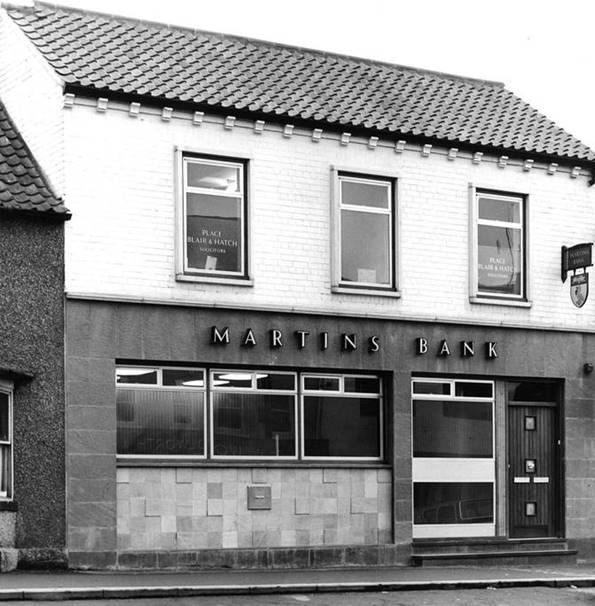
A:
(579, 289)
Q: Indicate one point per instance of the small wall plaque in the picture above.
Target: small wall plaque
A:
(259, 497)
(530, 423)
(530, 465)
(530, 508)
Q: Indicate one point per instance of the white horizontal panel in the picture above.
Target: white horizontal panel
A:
(522, 480)
(543, 480)
(453, 470)
(431, 531)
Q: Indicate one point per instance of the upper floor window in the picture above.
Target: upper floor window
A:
(213, 218)
(365, 234)
(5, 444)
(500, 249)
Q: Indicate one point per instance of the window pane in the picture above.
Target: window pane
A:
(365, 194)
(365, 254)
(453, 503)
(5, 481)
(4, 430)
(214, 232)
(452, 429)
(138, 376)
(473, 390)
(232, 379)
(530, 391)
(341, 427)
(442, 389)
(362, 384)
(183, 378)
(160, 422)
(275, 381)
(253, 424)
(499, 260)
(499, 210)
(214, 176)
(322, 383)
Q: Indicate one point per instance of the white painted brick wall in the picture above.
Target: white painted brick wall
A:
(32, 94)
(120, 241)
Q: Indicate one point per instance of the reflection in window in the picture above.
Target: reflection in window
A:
(366, 228)
(500, 245)
(214, 215)
(253, 424)
(453, 503)
(341, 427)
(348, 424)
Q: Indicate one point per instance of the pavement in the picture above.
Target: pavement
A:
(32, 586)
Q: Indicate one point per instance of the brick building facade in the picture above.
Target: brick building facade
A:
(299, 335)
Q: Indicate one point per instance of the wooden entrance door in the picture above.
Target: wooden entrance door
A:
(533, 470)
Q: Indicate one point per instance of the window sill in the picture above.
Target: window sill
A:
(214, 280)
(293, 464)
(506, 302)
(344, 290)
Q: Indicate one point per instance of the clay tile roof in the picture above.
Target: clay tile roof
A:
(23, 186)
(119, 56)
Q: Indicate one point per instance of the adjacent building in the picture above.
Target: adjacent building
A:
(32, 488)
(314, 310)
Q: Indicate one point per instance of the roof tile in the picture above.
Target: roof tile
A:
(23, 187)
(105, 53)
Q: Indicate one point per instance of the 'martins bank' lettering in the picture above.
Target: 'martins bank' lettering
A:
(302, 339)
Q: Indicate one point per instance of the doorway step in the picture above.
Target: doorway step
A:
(491, 551)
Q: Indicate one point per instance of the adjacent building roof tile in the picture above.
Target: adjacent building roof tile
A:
(121, 56)
(23, 186)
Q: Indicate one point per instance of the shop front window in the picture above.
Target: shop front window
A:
(344, 422)
(453, 458)
(160, 412)
(214, 218)
(247, 414)
(254, 414)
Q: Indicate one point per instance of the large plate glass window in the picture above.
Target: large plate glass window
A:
(160, 411)
(5, 444)
(500, 252)
(253, 414)
(214, 217)
(453, 458)
(366, 233)
(342, 417)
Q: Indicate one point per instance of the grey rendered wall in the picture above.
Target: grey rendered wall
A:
(32, 339)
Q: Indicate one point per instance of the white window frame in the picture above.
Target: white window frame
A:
(159, 386)
(338, 175)
(456, 469)
(493, 298)
(183, 271)
(7, 388)
(341, 392)
(252, 389)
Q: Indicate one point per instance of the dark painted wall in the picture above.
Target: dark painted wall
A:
(98, 333)
(32, 338)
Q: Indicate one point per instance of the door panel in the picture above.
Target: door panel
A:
(532, 471)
